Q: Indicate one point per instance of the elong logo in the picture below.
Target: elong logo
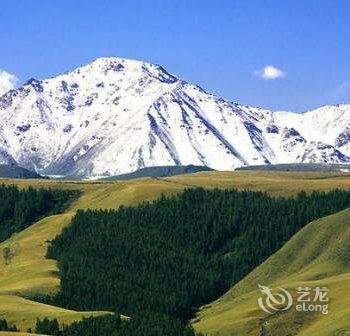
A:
(272, 302)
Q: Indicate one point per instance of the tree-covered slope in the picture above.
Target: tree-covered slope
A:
(178, 252)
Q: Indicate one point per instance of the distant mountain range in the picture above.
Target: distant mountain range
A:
(301, 167)
(14, 171)
(160, 171)
(115, 116)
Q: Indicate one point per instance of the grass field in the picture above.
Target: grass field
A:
(30, 273)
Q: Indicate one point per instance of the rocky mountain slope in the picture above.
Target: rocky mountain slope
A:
(115, 116)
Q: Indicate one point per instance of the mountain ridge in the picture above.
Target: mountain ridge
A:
(115, 116)
(14, 171)
(159, 171)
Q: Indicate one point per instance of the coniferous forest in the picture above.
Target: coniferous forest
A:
(179, 252)
(112, 325)
(19, 208)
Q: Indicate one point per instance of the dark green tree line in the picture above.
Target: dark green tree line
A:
(19, 208)
(110, 325)
(4, 326)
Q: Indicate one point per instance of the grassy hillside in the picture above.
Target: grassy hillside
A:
(30, 273)
(23, 313)
(318, 255)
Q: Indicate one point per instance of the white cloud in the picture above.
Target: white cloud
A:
(7, 81)
(270, 72)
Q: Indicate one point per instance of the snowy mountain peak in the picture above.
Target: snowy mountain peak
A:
(119, 68)
(115, 115)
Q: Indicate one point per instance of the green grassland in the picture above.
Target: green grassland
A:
(29, 273)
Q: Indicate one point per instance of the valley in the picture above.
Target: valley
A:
(30, 273)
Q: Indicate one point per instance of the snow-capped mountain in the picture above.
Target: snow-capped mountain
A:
(115, 116)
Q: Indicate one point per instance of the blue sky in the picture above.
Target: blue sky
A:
(221, 45)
